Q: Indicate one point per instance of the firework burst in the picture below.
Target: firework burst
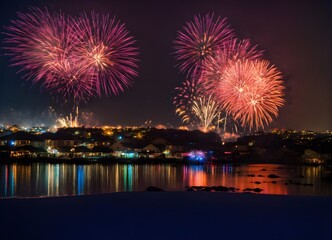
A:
(240, 86)
(214, 66)
(207, 111)
(37, 41)
(72, 58)
(252, 92)
(200, 39)
(70, 80)
(241, 49)
(183, 101)
(108, 52)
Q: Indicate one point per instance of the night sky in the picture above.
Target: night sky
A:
(296, 36)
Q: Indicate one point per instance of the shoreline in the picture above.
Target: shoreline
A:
(167, 215)
(146, 161)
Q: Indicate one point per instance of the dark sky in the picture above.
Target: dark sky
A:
(296, 35)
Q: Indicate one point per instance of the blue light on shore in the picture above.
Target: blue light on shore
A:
(197, 156)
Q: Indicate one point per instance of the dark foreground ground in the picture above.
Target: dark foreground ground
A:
(167, 215)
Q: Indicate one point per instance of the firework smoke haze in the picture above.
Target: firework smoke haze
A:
(200, 39)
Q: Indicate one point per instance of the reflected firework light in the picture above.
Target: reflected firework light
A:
(200, 39)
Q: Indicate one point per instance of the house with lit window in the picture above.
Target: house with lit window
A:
(23, 144)
(21, 138)
(55, 141)
(150, 151)
(312, 157)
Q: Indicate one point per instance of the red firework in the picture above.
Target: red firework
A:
(214, 66)
(251, 91)
(200, 39)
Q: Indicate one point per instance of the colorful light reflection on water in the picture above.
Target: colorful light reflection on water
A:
(42, 179)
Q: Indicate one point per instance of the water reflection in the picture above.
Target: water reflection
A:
(42, 179)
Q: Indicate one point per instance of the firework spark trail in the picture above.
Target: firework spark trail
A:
(241, 49)
(186, 94)
(227, 123)
(198, 40)
(206, 110)
(70, 80)
(109, 52)
(251, 91)
(69, 121)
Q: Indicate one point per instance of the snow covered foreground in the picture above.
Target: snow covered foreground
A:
(167, 215)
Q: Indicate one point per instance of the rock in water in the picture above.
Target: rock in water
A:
(272, 176)
(154, 189)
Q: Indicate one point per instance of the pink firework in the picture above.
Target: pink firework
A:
(72, 58)
(214, 66)
(108, 52)
(200, 39)
(70, 80)
(37, 41)
(240, 49)
(251, 91)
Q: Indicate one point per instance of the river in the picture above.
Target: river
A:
(46, 180)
